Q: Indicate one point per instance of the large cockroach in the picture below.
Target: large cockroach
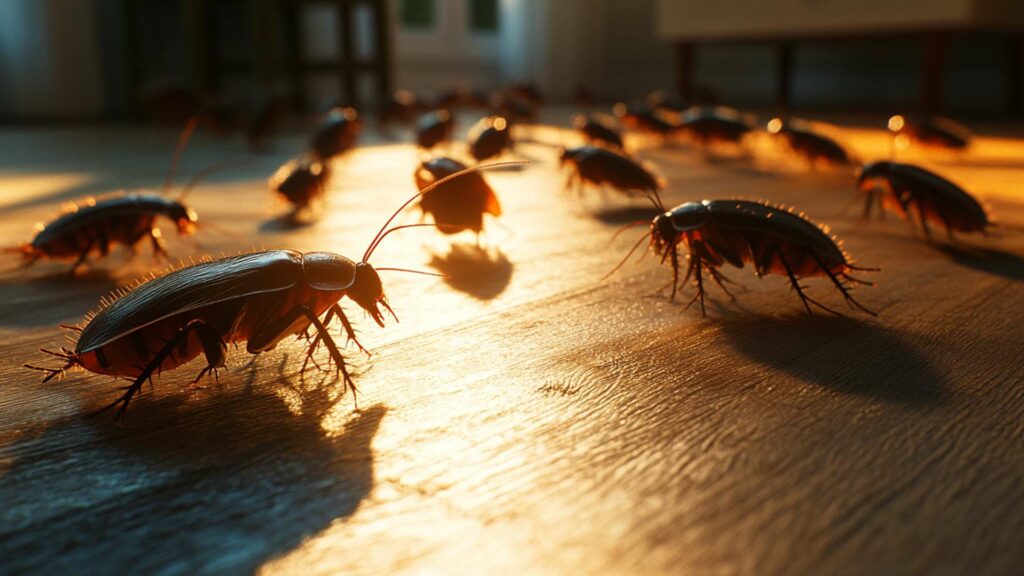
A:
(600, 166)
(458, 205)
(911, 190)
(433, 128)
(774, 240)
(490, 137)
(96, 224)
(639, 116)
(595, 131)
(337, 134)
(715, 125)
(301, 182)
(931, 132)
(812, 145)
(258, 299)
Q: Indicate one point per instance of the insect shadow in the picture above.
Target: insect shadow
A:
(223, 485)
(842, 354)
(626, 214)
(287, 222)
(996, 262)
(480, 272)
(46, 300)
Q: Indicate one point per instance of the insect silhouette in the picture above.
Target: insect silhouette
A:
(301, 182)
(774, 240)
(594, 131)
(639, 116)
(458, 205)
(490, 137)
(601, 166)
(96, 224)
(715, 125)
(910, 190)
(337, 134)
(933, 132)
(813, 146)
(433, 128)
(258, 299)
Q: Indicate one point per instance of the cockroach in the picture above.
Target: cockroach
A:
(639, 116)
(433, 128)
(595, 131)
(458, 205)
(337, 134)
(601, 166)
(774, 240)
(715, 125)
(97, 224)
(257, 298)
(490, 137)
(301, 181)
(812, 145)
(402, 107)
(907, 189)
(931, 132)
(513, 108)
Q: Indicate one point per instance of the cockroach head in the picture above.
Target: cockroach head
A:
(368, 292)
(665, 227)
(568, 155)
(183, 216)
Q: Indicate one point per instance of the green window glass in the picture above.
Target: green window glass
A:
(417, 13)
(483, 15)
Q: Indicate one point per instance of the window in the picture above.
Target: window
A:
(483, 15)
(417, 13)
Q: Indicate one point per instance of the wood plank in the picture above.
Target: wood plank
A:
(531, 417)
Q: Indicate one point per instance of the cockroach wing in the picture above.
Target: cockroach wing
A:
(100, 210)
(941, 185)
(773, 221)
(192, 288)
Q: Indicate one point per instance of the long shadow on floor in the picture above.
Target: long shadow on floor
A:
(990, 260)
(482, 273)
(222, 484)
(843, 354)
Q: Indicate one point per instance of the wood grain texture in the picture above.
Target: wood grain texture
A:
(524, 416)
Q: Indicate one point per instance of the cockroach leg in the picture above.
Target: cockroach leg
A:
(675, 273)
(349, 331)
(807, 300)
(199, 326)
(696, 265)
(842, 287)
(721, 279)
(333, 349)
(82, 257)
(156, 240)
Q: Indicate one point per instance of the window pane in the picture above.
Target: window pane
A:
(483, 15)
(417, 13)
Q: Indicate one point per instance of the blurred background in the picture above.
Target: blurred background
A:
(116, 59)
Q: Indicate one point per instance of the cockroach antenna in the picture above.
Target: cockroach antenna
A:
(384, 229)
(183, 139)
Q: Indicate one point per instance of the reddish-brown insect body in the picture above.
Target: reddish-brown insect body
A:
(490, 137)
(813, 146)
(912, 191)
(457, 205)
(594, 131)
(932, 132)
(638, 116)
(601, 166)
(715, 125)
(301, 182)
(433, 128)
(739, 232)
(337, 134)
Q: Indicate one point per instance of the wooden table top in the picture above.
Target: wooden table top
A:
(526, 416)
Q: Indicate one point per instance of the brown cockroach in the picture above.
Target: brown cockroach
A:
(403, 107)
(490, 137)
(96, 224)
(458, 205)
(258, 299)
(337, 134)
(933, 132)
(433, 128)
(513, 108)
(910, 190)
(773, 239)
(595, 131)
(301, 182)
(715, 125)
(639, 116)
(600, 166)
(812, 145)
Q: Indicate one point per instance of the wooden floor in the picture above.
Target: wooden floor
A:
(526, 416)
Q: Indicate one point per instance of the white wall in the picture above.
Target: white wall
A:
(49, 59)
